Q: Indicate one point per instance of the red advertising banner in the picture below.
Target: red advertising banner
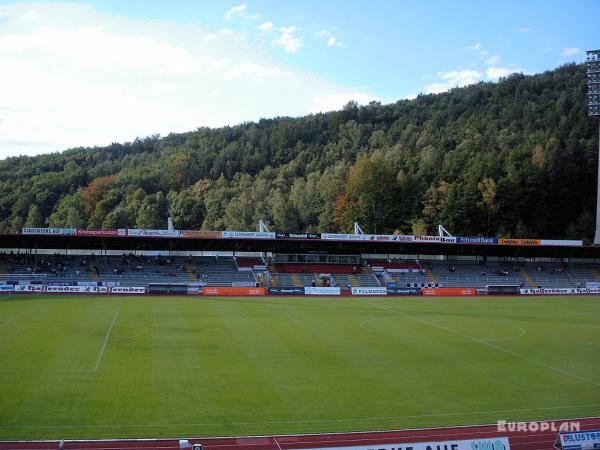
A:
(233, 291)
(199, 234)
(448, 291)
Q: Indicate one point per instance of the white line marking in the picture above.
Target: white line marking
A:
(106, 339)
(278, 446)
(10, 319)
(275, 422)
(497, 347)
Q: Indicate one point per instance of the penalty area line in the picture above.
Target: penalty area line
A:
(106, 339)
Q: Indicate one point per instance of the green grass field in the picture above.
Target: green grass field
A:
(99, 367)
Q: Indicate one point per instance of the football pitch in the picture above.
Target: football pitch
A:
(102, 367)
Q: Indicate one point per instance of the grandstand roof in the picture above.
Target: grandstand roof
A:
(288, 245)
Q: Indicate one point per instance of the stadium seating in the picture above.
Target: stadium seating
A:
(140, 270)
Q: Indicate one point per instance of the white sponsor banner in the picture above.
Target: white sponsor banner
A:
(394, 237)
(29, 288)
(556, 291)
(367, 237)
(247, 235)
(80, 289)
(498, 443)
(579, 440)
(436, 239)
(322, 290)
(153, 233)
(369, 291)
(345, 237)
(128, 290)
(592, 285)
(6, 288)
(55, 231)
(559, 243)
(72, 289)
(243, 284)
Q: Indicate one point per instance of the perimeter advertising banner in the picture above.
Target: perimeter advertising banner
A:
(367, 237)
(234, 291)
(80, 289)
(498, 443)
(369, 291)
(153, 233)
(286, 290)
(579, 440)
(50, 231)
(198, 234)
(436, 239)
(557, 291)
(448, 291)
(403, 291)
(109, 233)
(298, 235)
(247, 235)
(519, 241)
(477, 240)
(322, 290)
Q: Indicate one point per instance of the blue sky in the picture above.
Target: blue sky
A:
(96, 72)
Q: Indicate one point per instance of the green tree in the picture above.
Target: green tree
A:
(34, 217)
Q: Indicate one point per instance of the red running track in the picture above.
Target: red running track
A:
(519, 440)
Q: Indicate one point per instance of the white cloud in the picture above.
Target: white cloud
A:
(331, 39)
(492, 60)
(498, 72)
(524, 30)
(73, 76)
(453, 79)
(267, 26)
(334, 102)
(256, 71)
(234, 11)
(288, 39)
(570, 51)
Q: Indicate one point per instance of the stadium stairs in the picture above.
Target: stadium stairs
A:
(530, 281)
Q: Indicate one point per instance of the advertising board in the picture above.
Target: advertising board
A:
(243, 284)
(101, 233)
(298, 235)
(561, 243)
(199, 234)
(519, 241)
(448, 291)
(369, 291)
(247, 235)
(404, 291)
(497, 443)
(234, 291)
(322, 290)
(579, 440)
(153, 233)
(50, 231)
(477, 240)
(556, 291)
(127, 290)
(286, 290)
(436, 239)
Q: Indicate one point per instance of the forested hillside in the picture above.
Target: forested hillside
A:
(514, 158)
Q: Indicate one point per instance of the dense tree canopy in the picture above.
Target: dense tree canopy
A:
(517, 157)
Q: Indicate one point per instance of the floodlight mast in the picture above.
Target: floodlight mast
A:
(593, 84)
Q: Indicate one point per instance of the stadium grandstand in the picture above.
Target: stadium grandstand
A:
(173, 261)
